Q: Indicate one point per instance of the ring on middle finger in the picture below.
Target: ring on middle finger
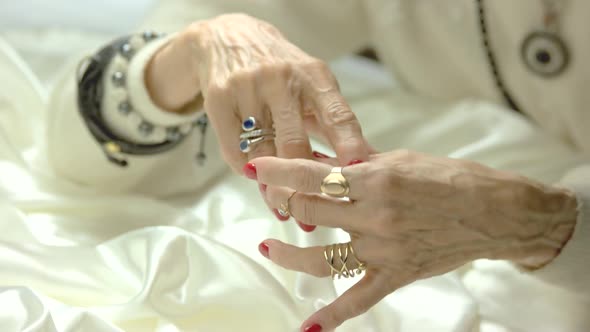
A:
(257, 133)
(247, 143)
(335, 184)
(253, 135)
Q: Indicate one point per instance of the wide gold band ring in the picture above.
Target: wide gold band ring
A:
(335, 184)
(338, 255)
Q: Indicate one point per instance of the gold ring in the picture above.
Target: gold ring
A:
(337, 255)
(335, 184)
(284, 210)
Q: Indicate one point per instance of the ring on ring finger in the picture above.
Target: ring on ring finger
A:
(252, 135)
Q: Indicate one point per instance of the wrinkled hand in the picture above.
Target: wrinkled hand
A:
(412, 216)
(245, 67)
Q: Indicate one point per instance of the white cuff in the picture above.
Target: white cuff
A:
(144, 110)
(571, 269)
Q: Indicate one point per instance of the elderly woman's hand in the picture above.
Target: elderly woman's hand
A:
(412, 216)
(245, 68)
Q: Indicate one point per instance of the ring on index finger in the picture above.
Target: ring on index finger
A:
(284, 210)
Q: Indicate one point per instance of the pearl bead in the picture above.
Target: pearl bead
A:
(145, 128)
(126, 51)
(173, 134)
(118, 78)
(125, 107)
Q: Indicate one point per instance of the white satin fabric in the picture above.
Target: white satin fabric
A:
(71, 260)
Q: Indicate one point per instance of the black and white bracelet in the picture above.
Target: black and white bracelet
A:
(91, 79)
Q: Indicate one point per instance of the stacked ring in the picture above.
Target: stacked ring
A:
(338, 262)
(253, 135)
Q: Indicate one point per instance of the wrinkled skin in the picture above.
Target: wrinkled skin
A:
(413, 216)
(244, 67)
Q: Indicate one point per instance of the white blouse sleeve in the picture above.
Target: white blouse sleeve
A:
(324, 29)
(571, 268)
(74, 154)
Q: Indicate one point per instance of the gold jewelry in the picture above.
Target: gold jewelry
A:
(338, 262)
(284, 210)
(335, 184)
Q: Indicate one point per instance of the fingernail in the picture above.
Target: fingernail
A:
(306, 227)
(263, 248)
(354, 162)
(279, 216)
(319, 155)
(262, 187)
(250, 171)
(313, 328)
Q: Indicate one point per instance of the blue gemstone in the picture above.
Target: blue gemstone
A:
(244, 145)
(248, 124)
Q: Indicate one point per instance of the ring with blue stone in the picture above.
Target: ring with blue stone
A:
(257, 133)
(247, 143)
(249, 124)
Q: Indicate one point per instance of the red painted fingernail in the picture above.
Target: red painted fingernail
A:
(313, 328)
(262, 187)
(250, 171)
(319, 155)
(354, 162)
(306, 227)
(263, 248)
(278, 215)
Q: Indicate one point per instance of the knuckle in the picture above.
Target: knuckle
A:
(309, 210)
(338, 113)
(216, 91)
(378, 179)
(241, 77)
(318, 66)
(304, 177)
(292, 142)
(274, 70)
(321, 70)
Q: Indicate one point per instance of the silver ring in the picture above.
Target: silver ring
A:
(247, 143)
(249, 124)
(257, 132)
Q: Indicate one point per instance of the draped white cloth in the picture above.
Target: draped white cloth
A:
(71, 260)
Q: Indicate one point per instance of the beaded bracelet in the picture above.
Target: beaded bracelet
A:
(91, 78)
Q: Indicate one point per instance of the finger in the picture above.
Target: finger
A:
(281, 217)
(322, 158)
(308, 260)
(337, 120)
(221, 110)
(371, 289)
(317, 210)
(291, 138)
(306, 175)
(250, 105)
